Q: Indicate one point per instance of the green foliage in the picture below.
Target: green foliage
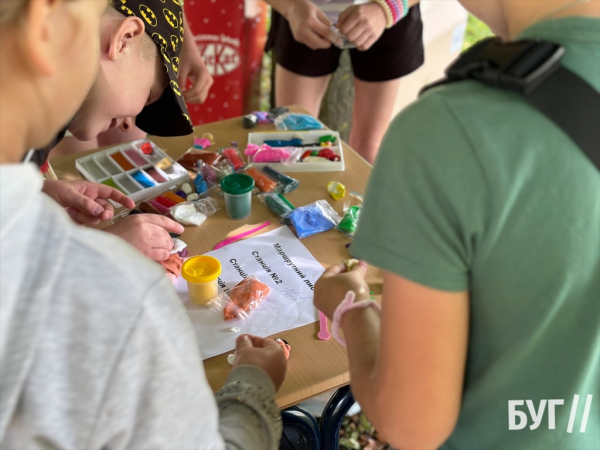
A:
(476, 31)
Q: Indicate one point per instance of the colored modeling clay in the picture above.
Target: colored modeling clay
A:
(327, 138)
(188, 215)
(165, 201)
(164, 163)
(329, 154)
(162, 208)
(336, 189)
(210, 137)
(192, 197)
(202, 142)
(154, 174)
(316, 159)
(278, 204)
(122, 161)
(181, 193)
(173, 197)
(149, 209)
(172, 266)
(314, 218)
(244, 298)
(262, 181)
(288, 183)
(232, 155)
(201, 186)
(282, 143)
(267, 154)
(190, 159)
(147, 148)
(209, 173)
(142, 179)
(350, 220)
(135, 156)
(285, 347)
(185, 187)
(350, 264)
(110, 182)
(178, 245)
(293, 121)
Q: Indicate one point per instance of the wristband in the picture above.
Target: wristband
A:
(389, 16)
(346, 305)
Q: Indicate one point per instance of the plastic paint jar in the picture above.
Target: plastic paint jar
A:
(237, 189)
(201, 273)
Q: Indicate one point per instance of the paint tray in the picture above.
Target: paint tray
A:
(137, 174)
(307, 137)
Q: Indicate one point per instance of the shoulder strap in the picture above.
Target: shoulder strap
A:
(532, 67)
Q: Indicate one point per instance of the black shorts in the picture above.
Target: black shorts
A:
(398, 52)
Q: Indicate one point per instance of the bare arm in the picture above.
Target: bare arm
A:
(409, 381)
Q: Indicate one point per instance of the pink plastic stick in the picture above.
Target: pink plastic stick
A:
(323, 333)
(237, 237)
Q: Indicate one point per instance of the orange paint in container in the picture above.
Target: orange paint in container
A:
(122, 161)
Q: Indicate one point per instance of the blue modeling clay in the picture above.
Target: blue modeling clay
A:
(201, 186)
(293, 121)
(282, 143)
(314, 218)
(143, 180)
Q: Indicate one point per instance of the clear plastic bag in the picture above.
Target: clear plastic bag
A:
(288, 183)
(277, 204)
(266, 154)
(263, 181)
(295, 121)
(312, 219)
(242, 300)
(350, 220)
(194, 213)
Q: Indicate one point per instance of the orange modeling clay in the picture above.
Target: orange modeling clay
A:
(245, 297)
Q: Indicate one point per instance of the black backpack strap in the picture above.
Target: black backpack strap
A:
(532, 67)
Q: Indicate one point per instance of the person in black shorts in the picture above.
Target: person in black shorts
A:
(306, 59)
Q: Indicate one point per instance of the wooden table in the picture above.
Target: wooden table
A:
(314, 366)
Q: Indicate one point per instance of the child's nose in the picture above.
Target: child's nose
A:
(127, 124)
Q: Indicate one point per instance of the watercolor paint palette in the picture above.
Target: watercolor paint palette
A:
(139, 169)
(307, 137)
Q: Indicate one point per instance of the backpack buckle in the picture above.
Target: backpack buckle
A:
(520, 65)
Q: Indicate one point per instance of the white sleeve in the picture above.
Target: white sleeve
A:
(158, 396)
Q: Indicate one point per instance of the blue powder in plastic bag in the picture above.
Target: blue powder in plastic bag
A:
(301, 122)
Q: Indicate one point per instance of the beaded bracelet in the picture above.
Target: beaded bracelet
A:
(347, 305)
(389, 16)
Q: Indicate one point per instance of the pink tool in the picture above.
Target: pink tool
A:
(323, 333)
(237, 237)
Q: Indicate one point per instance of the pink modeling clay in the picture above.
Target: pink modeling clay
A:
(266, 154)
(202, 142)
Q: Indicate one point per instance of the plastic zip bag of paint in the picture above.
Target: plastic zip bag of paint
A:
(194, 213)
(349, 222)
(288, 183)
(313, 219)
(295, 121)
(241, 301)
(234, 156)
(262, 181)
(277, 204)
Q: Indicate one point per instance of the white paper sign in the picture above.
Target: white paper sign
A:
(276, 258)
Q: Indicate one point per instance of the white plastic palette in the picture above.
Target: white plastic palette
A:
(308, 136)
(134, 173)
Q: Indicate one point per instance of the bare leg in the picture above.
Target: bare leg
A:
(294, 89)
(371, 115)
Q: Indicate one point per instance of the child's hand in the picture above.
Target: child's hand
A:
(264, 353)
(335, 282)
(149, 233)
(310, 26)
(84, 201)
(362, 25)
(192, 67)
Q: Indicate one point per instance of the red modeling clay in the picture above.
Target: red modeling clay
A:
(232, 155)
(147, 148)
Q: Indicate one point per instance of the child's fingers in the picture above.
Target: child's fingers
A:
(334, 270)
(242, 342)
(360, 266)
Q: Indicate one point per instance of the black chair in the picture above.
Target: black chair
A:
(300, 430)
(333, 415)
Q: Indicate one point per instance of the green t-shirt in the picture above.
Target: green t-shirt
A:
(474, 189)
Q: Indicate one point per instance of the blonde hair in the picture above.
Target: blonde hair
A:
(11, 10)
(148, 48)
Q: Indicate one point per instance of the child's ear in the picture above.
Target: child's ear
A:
(36, 42)
(129, 32)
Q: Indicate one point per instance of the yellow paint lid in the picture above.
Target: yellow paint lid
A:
(201, 269)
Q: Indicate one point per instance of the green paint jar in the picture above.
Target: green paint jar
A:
(237, 189)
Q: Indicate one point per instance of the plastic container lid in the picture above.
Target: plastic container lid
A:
(237, 184)
(201, 269)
